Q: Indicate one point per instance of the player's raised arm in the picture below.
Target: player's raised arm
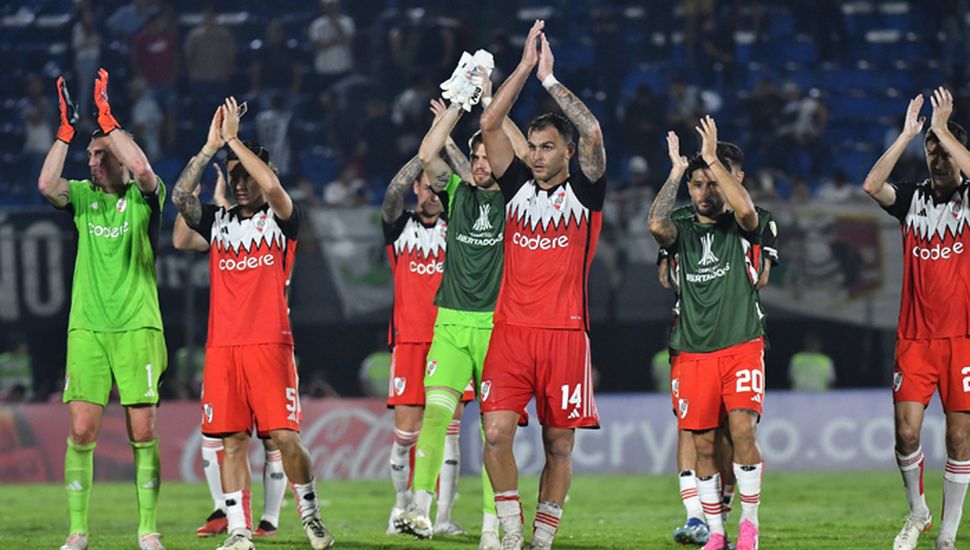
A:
(393, 205)
(50, 183)
(592, 153)
(735, 195)
(184, 238)
(267, 180)
(662, 229)
(942, 102)
(497, 143)
(457, 160)
(435, 168)
(184, 196)
(875, 183)
(121, 144)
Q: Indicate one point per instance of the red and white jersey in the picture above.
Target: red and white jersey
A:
(936, 262)
(550, 240)
(250, 263)
(417, 253)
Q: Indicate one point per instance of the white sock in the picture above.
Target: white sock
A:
(236, 513)
(709, 491)
(955, 480)
(448, 478)
(546, 524)
(422, 499)
(211, 447)
(489, 522)
(274, 487)
(508, 508)
(749, 486)
(688, 494)
(401, 465)
(911, 466)
(306, 495)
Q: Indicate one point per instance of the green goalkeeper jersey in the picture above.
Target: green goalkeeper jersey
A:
(717, 270)
(473, 266)
(115, 283)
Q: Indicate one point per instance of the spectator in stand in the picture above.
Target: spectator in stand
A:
(837, 189)
(420, 42)
(155, 58)
(641, 124)
(16, 374)
(332, 36)
(716, 50)
(273, 132)
(684, 106)
(277, 67)
(810, 370)
(346, 191)
(210, 59)
(803, 121)
(127, 20)
(376, 148)
(36, 112)
(146, 118)
(762, 110)
(86, 44)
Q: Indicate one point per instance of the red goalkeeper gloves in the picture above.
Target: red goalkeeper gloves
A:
(106, 121)
(68, 112)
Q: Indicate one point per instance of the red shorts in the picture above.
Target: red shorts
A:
(406, 383)
(922, 366)
(708, 384)
(247, 385)
(552, 365)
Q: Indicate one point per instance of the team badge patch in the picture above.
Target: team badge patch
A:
(558, 201)
(207, 410)
(486, 388)
(682, 405)
(432, 366)
(399, 384)
(122, 204)
(675, 387)
(261, 223)
(897, 380)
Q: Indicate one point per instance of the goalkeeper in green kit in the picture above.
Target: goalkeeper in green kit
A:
(115, 328)
(465, 300)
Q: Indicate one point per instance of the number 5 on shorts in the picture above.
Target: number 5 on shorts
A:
(750, 380)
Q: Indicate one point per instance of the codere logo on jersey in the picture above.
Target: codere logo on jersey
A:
(107, 232)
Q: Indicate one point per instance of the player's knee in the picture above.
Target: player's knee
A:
(704, 446)
(957, 442)
(497, 437)
(83, 433)
(907, 437)
(559, 450)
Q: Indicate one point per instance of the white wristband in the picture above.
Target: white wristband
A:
(549, 81)
(486, 101)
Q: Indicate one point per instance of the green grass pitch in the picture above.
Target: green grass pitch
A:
(813, 511)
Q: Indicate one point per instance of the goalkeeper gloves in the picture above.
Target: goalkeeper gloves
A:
(106, 121)
(465, 84)
(68, 113)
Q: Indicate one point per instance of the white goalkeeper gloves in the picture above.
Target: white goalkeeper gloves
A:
(464, 87)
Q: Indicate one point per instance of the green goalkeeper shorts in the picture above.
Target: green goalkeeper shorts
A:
(457, 355)
(134, 360)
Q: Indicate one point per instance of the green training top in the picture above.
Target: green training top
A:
(717, 275)
(115, 284)
(473, 265)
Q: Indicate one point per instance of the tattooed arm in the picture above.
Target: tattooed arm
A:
(184, 197)
(435, 168)
(393, 205)
(457, 160)
(592, 154)
(661, 227)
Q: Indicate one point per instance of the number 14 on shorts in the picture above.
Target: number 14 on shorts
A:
(574, 398)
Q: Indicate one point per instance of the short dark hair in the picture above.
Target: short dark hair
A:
(958, 132)
(474, 141)
(555, 120)
(730, 155)
(253, 146)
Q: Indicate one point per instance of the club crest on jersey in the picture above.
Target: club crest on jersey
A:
(486, 388)
(559, 199)
(94, 205)
(675, 387)
(261, 223)
(399, 385)
(122, 204)
(682, 406)
(897, 380)
(207, 411)
(432, 366)
(707, 255)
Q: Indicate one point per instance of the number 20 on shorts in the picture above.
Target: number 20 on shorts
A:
(750, 381)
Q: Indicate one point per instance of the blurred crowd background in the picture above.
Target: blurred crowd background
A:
(338, 92)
